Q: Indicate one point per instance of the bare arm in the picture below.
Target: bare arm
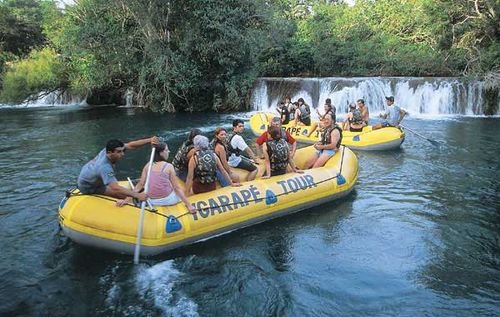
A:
(258, 148)
(267, 162)
(189, 178)
(223, 171)
(293, 150)
(249, 151)
(126, 192)
(132, 145)
(221, 153)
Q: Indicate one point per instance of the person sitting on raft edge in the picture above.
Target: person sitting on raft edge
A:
(202, 168)
(277, 155)
(303, 113)
(393, 115)
(329, 109)
(219, 145)
(264, 137)
(98, 175)
(329, 144)
(164, 189)
(236, 146)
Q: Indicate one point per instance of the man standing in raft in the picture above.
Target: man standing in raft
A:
(98, 175)
(393, 115)
(329, 144)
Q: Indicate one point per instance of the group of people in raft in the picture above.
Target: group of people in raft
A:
(200, 162)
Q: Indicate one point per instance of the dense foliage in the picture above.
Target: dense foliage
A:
(194, 55)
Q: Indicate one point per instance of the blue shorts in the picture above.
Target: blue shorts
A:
(222, 180)
(327, 152)
(181, 174)
(386, 124)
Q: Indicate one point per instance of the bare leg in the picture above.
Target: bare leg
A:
(314, 127)
(251, 175)
(377, 126)
(310, 162)
(234, 177)
(321, 161)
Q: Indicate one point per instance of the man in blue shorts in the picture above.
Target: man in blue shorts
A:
(98, 175)
(393, 115)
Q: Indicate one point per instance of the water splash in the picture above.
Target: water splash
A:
(422, 97)
(157, 283)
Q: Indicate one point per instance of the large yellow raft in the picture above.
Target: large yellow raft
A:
(369, 140)
(95, 220)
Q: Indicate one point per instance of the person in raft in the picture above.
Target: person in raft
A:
(98, 175)
(164, 189)
(329, 109)
(277, 156)
(303, 113)
(218, 144)
(275, 123)
(202, 168)
(283, 112)
(328, 145)
(183, 155)
(392, 116)
(354, 120)
(236, 145)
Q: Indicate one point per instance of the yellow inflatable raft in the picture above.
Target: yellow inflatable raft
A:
(369, 140)
(95, 220)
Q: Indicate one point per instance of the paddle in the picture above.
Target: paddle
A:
(133, 187)
(435, 143)
(143, 205)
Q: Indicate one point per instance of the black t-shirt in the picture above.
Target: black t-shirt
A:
(285, 115)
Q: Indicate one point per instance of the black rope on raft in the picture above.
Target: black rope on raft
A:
(69, 193)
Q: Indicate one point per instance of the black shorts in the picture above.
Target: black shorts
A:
(246, 165)
(278, 172)
(306, 121)
(355, 130)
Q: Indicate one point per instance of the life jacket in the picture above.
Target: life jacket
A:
(180, 161)
(326, 137)
(356, 117)
(205, 166)
(214, 143)
(305, 112)
(229, 148)
(278, 154)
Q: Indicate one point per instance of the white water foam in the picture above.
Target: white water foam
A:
(421, 97)
(158, 283)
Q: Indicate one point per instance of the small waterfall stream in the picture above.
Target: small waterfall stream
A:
(419, 96)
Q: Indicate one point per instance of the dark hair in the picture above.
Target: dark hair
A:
(275, 133)
(194, 132)
(160, 147)
(328, 101)
(361, 101)
(219, 130)
(301, 100)
(236, 122)
(113, 144)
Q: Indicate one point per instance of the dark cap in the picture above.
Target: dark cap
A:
(390, 98)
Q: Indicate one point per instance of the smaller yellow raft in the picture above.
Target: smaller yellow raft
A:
(368, 140)
(95, 220)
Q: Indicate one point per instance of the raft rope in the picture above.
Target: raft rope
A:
(69, 193)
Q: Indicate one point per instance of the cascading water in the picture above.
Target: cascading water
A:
(419, 96)
(55, 98)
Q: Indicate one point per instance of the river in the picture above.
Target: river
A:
(419, 235)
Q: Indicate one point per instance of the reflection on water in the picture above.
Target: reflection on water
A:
(418, 235)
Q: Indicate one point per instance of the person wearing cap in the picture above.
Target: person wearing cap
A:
(354, 120)
(277, 155)
(392, 116)
(202, 168)
(275, 123)
(164, 189)
(98, 175)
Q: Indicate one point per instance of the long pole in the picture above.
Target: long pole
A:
(436, 143)
(143, 206)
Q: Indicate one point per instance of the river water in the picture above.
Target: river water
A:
(419, 235)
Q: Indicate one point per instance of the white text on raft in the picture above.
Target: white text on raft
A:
(244, 197)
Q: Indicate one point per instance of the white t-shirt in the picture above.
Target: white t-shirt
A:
(237, 142)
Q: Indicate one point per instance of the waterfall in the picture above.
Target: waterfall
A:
(419, 96)
(55, 98)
